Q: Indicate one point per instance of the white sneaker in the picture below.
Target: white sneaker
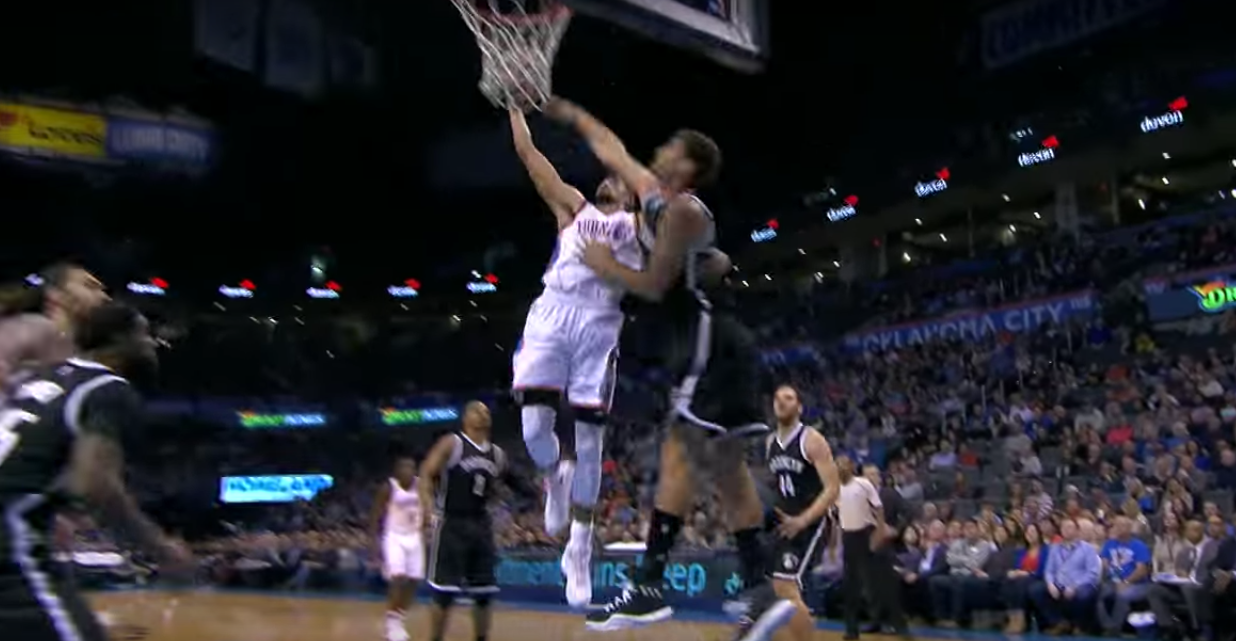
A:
(558, 498)
(395, 630)
(577, 566)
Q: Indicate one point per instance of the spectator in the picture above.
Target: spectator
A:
(1225, 471)
(1168, 545)
(1027, 571)
(1126, 565)
(1174, 587)
(1070, 583)
(934, 563)
(966, 558)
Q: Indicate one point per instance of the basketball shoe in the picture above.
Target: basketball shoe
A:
(637, 606)
(577, 566)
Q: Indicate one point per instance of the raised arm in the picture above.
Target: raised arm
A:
(26, 338)
(564, 200)
(606, 145)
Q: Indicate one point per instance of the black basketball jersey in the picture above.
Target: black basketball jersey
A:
(795, 479)
(687, 295)
(468, 481)
(44, 412)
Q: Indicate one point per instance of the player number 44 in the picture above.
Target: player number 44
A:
(10, 422)
(786, 484)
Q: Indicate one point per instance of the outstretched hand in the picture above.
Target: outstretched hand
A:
(559, 109)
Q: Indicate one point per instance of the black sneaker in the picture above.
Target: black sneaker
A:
(635, 607)
(766, 613)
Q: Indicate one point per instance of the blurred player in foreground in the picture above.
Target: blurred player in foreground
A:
(60, 435)
(38, 321)
(395, 524)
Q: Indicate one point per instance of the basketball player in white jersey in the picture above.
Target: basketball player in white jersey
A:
(570, 345)
(395, 523)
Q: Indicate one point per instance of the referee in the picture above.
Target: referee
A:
(862, 529)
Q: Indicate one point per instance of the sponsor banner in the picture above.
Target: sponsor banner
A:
(711, 578)
(259, 421)
(976, 325)
(57, 132)
(394, 416)
(1016, 31)
(1180, 296)
(148, 141)
(284, 488)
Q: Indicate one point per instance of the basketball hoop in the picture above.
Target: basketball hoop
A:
(518, 40)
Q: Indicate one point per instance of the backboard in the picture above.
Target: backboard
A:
(732, 32)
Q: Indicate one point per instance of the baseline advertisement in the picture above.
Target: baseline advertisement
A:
(282, 488)
(975, 325)
(54, 132)
(707, 578)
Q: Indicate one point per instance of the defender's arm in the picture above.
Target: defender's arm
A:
(606, 145)
(683, 221)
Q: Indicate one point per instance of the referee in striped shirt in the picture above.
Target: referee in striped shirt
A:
(862, 532)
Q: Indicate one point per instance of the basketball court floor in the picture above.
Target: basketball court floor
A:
(243, 616)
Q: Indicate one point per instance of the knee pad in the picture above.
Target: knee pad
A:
(481, 600)
(443, 599)
(589, 453)
(538, 415)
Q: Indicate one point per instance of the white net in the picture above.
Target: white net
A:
(518, 40)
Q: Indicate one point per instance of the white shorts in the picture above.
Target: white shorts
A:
(404, 556)
(570, 348)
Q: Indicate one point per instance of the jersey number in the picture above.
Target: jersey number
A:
(785, 483)
(10, 422)
(478, 485)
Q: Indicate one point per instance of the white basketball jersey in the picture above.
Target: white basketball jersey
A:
(567, 273)
(403, 513)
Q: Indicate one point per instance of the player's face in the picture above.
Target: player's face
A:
(80, 293)
(669, 158)
(786, 405)
(405, 470)
(614, 192)
(140, 354)
(477, 416)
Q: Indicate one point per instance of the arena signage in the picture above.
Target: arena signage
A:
(847, 209)
(410, 288)
(139, 140)
(1045, 154)
(273, 489)
(331, 290)
(244, 289)
(1015, 31)
(156, 287)
(939, 184)
(1215, 296)
(976, 325)
(1173, 118)
(394, 416)
(703, 578)
(256, 421)
(767, 232)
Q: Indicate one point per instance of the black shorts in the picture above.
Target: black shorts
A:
(462, 556)
(39, 602)
(718, 373)
(791, 559)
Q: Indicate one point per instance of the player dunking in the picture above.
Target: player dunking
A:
(460, 472)
(395, 524)
(715, 396)
(570, 344)
(806, 483)
(38, 332)
(60, 432)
